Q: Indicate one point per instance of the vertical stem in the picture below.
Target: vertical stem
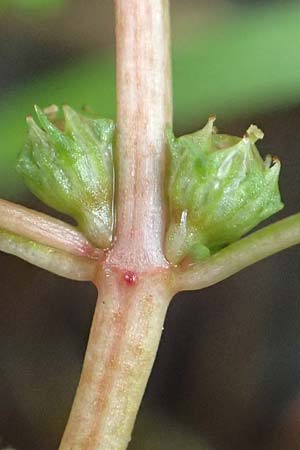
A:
(134, 278)
(123, 342)
(144, 108)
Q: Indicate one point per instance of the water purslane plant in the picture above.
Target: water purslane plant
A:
(155, 215)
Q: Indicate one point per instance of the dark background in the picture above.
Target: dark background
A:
(227, 375)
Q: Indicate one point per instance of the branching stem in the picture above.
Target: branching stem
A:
(45, 230)
(133, 281)
(243, 253)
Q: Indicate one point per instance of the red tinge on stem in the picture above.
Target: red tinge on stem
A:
(130, 277)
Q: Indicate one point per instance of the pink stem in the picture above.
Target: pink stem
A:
(46, 230)
(144, 108)
(125, 334)
(134, 279)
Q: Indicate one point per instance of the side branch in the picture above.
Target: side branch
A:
(47, 243)
(55, 261)
(44, 229)
(241, 254)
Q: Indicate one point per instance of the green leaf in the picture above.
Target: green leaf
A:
(69, 166)
(219, 188)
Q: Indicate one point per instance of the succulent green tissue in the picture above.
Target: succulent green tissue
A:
(218, 189)
(67, 162)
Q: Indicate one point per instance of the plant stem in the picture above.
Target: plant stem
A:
(46, 230)
(133, 281)
(144, 108)
(56, 261)
(243, 253)
(123, 342)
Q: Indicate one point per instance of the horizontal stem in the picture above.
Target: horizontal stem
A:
(46, 230)
(55, 261)
(241, 254)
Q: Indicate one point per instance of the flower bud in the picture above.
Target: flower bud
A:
(219, 188)
(70, 168)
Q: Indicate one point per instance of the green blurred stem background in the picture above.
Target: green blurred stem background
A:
(246, 62)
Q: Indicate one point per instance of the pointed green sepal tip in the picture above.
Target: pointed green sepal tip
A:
(67, 162)
(219, 188)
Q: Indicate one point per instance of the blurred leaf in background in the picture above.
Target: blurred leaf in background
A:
(31, 5)
(247, 63)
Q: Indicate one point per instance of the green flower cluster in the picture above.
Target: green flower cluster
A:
(219, 188)
(67, 162)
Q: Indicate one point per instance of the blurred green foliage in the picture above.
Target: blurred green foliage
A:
(248, 63)
(31, 5)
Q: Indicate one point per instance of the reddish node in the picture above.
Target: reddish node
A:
(130, 277)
